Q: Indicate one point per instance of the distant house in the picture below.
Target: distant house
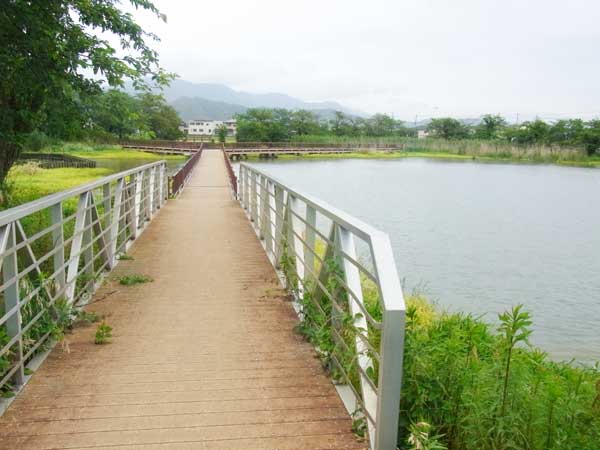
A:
(203, 127)
(422, 134)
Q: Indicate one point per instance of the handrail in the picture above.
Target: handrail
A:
(179, 179)
(230, 172)
(12, 214)
(54, 249)
(306, 145)
(343, 276)
(184, 145)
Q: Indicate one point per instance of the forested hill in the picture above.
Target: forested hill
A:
(218, 101)
(200, 108)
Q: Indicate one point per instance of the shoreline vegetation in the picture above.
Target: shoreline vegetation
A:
(490, 158)
(481, 385)
(466, 150)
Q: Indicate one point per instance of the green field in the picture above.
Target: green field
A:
(28, 182)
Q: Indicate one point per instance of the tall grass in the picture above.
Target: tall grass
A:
(470, 147)
(486, 388)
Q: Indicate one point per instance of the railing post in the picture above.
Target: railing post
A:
(241, 187)
(355, 301)
(309, 257)
(137, 200)
(10, 271)
(145, 214)
(295, 227)
(390, 379)
(161, 176)
(279, 219)
(106, 204)
(264, 205)
(270, 225)
(58, 245)
(244, 184)
(76, 245)
(152, 190)
(246, 190)
(253, 197)
(87, 246)
(392, 343)
(113, 234)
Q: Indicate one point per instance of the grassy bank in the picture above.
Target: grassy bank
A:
(27, 182)
(371, 154)
(481, 150)
(107, 152)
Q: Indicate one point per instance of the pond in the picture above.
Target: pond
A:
(479, 237)
(121, 164)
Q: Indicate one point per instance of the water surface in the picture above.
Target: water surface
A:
(121, 164)
(481, 237)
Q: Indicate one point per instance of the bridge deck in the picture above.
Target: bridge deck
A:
(203, 357)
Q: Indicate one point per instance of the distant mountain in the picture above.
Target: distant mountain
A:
(200, 108)
(222, 93)
(218, 102)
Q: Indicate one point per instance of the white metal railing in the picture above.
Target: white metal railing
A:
(57, 247)
(348, 294)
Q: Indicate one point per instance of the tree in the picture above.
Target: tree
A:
(341, 125)
(119, 113)
(566, 132)
(263, 125)
(590, 137)
(448, 128)
(162, 119)
(490, 126)
(381, 125)
(47, 46)
(304, 123)
(529, 133)
(222, 133)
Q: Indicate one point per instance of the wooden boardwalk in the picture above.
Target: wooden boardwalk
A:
(203, 357)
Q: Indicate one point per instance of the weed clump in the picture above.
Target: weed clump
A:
(130, 280)
(103, 334)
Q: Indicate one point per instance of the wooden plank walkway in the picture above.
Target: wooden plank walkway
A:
(204, 357)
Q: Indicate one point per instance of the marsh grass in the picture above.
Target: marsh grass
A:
(487, 388)
(473, 149)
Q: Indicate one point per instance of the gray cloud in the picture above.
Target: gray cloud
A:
(403, 57)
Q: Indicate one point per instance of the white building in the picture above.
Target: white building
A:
(422, 134)
(200, 127)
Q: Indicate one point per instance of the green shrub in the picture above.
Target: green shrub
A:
(36, 141)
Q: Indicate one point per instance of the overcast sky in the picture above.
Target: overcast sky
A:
(428, 58)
